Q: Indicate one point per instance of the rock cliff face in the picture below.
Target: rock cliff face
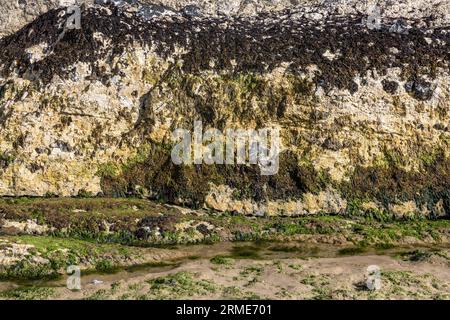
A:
(361, 101)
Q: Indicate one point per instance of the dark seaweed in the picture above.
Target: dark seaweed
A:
(256, 45)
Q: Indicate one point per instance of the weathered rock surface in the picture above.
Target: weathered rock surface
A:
(363, 109)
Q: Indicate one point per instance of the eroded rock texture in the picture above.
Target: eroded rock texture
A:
(363, 110)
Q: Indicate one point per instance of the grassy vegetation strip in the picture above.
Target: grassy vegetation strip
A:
(42, 257)
(142, 222)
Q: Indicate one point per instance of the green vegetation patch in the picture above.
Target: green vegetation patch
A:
(49, 257)
(222, 260)
(179, 285)
(28, 293)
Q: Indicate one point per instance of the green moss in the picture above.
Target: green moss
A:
(246, 82)
(63, 252)
(223, 260)
(428, 159)
(293, 228)
(50, 195)
(255, 271)
(320, 286)
(108, 170)
(6, 159)
(393, 157)
(30, 293)
(181, 284)
(101, 294)
(27, 270)
(85, 194)
(105, 266)
(355, 209)
(313, 225)
(400, 278)
(393, 232)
